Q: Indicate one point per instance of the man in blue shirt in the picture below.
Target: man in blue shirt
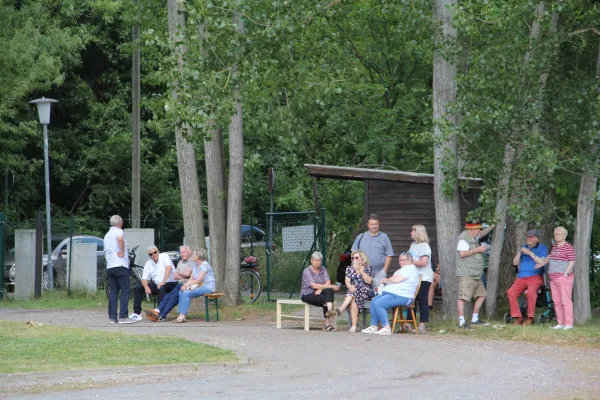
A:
(377, 247)
(529, 278)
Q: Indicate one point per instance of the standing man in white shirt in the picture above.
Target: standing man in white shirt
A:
(157, 279)
(469, 269)
(117, 271)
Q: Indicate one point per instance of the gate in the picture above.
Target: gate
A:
(291, 238)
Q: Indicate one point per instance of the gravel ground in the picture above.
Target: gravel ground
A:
(290, 362)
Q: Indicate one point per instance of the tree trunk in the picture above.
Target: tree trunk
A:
(191, 204)
(447, 209)
(234, 207)
(502, 205)
(217, 222)
(235, 191)
(498, 239)
(583, 236)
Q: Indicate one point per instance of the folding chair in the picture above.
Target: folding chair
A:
(399, 311)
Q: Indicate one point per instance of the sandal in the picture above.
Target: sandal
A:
(338, 311)
(330, 313)
(329, 328)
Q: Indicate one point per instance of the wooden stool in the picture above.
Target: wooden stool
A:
(214, 299)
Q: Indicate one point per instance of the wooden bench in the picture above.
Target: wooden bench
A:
(306, 317)
(212, 298)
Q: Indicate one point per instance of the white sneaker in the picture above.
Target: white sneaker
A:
(557, 327)
(135, 317)
(370, 330)
(385, 331)
(566, 328)
(127, 320)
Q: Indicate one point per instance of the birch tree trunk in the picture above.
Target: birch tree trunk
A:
(217, 222)
(583, 235)
(498, 239)
(447, 208)
(235, 193)
(583, 230)
(504, 185)
(191, 204)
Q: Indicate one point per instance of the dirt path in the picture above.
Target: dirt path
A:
(291, 363)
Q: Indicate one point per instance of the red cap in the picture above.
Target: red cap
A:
(474, 225)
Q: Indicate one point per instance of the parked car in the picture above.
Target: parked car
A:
(59, 263)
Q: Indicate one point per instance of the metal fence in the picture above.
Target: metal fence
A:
(78, 251)
(291, 238)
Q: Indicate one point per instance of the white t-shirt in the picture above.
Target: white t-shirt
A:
(408, 287)
(111, 248)
(419, 250)
(463, 245)
(155, 271)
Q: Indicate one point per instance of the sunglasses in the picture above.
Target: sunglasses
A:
(154, 252)
(356, 258)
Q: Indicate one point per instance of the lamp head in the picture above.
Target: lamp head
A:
(43, 106)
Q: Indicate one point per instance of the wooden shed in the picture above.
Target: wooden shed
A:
(401, 199)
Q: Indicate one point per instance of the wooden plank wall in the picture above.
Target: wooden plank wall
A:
(400, 205)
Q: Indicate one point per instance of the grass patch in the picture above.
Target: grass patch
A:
(51, 348)
(587, 335)
(59, 300)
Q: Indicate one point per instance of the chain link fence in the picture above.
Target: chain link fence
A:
(293, 237)
(78, 262)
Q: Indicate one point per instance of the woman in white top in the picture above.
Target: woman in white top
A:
(421, 253)
(399, 290)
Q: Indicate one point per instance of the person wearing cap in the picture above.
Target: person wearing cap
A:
(469, 268)
(529, 277)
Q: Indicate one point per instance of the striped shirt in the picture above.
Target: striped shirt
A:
(560, 258)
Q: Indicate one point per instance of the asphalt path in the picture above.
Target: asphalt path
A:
(289, 363)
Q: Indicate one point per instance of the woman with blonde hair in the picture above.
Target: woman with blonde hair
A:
(562, 261)
(421, 253)
(359, 277)
(201, 281)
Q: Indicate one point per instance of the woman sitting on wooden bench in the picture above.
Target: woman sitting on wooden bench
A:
(399, 290)
(200, 283)
(359, 277)
(317, 289)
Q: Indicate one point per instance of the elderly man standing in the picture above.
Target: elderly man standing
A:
(469, 268)
(529, 277)
(157, 278)
(117, 271)
(378, 248)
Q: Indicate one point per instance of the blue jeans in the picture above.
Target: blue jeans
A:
(169, 301)
(118, 280)
(187, 295)
(380, 305)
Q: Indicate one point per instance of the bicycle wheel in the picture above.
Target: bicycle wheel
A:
(250, 285)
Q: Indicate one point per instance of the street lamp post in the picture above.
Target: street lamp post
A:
(43, 106)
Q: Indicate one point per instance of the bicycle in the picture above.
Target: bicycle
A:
(250, 283)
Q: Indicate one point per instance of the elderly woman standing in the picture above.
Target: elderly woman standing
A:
(359, 277)
(562, 261)
(421, 253)
(399, 290)
(317, 289)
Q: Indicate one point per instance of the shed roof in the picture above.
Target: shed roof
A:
(360, 174)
